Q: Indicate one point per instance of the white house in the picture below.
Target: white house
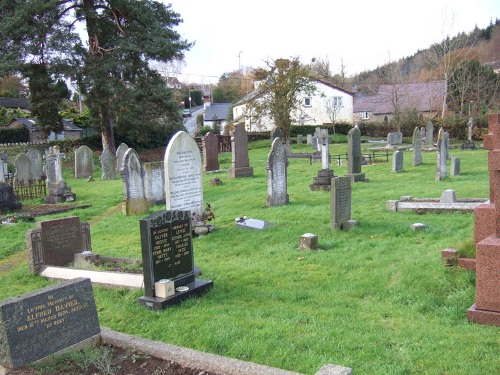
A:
(327, 104)
(216, 114)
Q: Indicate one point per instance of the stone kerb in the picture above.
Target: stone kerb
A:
(183, 174)
(277, 163)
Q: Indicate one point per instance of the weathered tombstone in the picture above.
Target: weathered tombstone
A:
(38, 324)
(55, 242)
(308, 241)
(354, 155)
(59, 191)
(84, 162)
(134, 201)
(4, 170)
(254, 224)
(2, 175)
(417, 147)
(397, 161)
(299, 139)
(154, 181)
(429, 134)
(22, 177)
(7, 197)
(422, 133)
(167, 255)
(486, 310)
(240, 163)
(277, 163)
(36, 162)
(309, 139)
(455, 166)
(446, 137)
(314, 142)
(394, 138)
(183, 175)
(340, 207)
(323, 180)
(108, 164)
(441, 156)
(120, 154)
(276, 134)
(210, 145)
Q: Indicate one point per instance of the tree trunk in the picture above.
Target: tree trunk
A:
(108, 138)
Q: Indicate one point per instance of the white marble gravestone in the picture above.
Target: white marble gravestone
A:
(183, 174)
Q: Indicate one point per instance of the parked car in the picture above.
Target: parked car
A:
(186, 113)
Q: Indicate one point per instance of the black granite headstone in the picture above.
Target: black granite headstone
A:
(44, 322)
(167, 253)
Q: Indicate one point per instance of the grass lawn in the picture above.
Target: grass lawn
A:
(376, 298)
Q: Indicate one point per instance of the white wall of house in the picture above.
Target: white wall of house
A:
(313, 110)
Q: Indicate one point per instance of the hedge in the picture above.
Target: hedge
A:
(14, 135)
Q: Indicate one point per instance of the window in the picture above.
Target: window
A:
(337, 101)
(364, 115)
(307, 102)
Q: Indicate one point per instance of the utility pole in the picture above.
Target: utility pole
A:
(239, 61)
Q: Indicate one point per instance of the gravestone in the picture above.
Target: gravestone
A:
(340, 203)
(417, 147)
(134, 201)
(36, 162)
(323, 180)
(108, 165)
(38, 324)
(55, 242)
(167, 255)
(120, 154)
(4, 171)
(276, 134)
(58, 189)
(422, 132)
(446, 136)
(84, 162)
(354, 157)
(240, 163)
(486, 309)
(154, 181)
(210, 146)
(7, 197)
(183, 175)
(397, 161)
(441, 156)
(314, 142)
(2, 174)
(455, 166)
(299, 139)
(309, 139)
(429, 134)
(277, 163)
(394, 138)
(22, 176)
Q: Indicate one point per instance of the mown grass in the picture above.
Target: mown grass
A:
(376, 298)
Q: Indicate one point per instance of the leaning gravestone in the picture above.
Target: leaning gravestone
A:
(210, 145)
(84, 162)
(36, 159)
(55, 242)
(397, 161)
(167, 255)
(120, 154)
(354, 156)
(108, 164)
(340, 208)
(38, 324)
(134, 201)
(417, 147)
(183, 176)
(154, 182)
(240, 163)
(277, 163)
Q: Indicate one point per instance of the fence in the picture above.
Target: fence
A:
(224, 143)
(34, 189)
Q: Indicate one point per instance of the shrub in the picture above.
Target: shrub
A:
(14, 135)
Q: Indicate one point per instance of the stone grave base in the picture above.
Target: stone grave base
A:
(196, 288)
(356, 177)
(487, 317)
(240, 172)
(322, 181)
(468, 145)
(60, 193)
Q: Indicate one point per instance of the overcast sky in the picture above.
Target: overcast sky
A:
(230, 34)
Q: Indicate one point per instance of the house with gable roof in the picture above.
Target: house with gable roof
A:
(70, 130)
(216, 114)
(424, 97)
(313, 111)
